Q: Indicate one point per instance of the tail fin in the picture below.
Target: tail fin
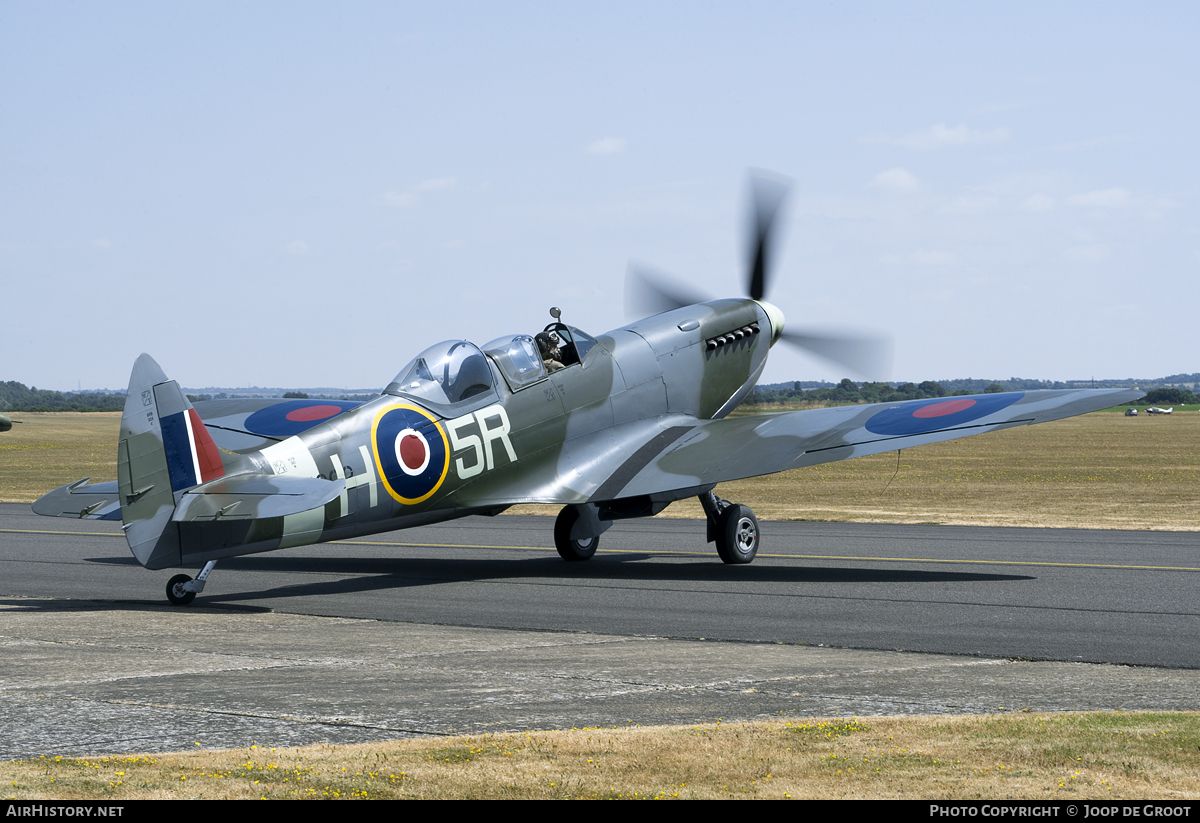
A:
(164, 450)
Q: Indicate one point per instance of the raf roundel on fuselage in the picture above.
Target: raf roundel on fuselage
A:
(411, 452)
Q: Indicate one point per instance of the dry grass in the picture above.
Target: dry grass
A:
(1045, 757)
(1094, 471)
(48, 449)
(1097, 471)
(1100, 470)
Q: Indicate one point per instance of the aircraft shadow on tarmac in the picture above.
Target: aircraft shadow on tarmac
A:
(363, 574)
(70, 606)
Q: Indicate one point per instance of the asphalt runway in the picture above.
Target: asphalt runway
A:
(477, 625)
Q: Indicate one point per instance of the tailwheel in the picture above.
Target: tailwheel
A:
(737, 535)
(568, 549)
(182, 589)
(176, 593)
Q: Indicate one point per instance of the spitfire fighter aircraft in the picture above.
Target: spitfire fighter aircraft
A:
(611, 426)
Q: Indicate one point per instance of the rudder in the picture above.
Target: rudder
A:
(163, 451)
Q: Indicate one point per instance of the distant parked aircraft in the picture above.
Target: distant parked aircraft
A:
(1157, 410)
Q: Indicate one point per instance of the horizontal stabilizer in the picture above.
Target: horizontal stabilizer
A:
(256, 496)
(81, 500)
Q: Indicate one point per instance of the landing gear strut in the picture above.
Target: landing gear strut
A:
(733, 527)
(182, 589)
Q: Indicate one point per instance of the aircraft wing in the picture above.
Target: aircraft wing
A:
(249, 424)
(685, 458)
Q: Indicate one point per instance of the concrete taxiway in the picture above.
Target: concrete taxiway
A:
(486, 630)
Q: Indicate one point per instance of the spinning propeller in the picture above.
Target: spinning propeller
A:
(648, 291)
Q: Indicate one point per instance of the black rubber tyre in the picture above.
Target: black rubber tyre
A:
(568, 549)
(175, 592)
(737, 535)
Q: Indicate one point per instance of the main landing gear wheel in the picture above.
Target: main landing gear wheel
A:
(737, 535)
(569, 549)
(176, 593)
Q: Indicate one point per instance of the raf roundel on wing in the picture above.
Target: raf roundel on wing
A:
(293, 417)
(943, 413)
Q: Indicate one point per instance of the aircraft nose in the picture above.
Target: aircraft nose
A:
(775, 315)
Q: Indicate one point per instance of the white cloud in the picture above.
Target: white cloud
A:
(1088, 254)
(1087, 144)
(896, 180)
(972, 204)
(436, 184)
(940, 136)
(606, 145)
(999, 107)
(1104, 198)
(399, 199)
(410, 197)
(921, 258)
(1038, 202)
(298, 247)
(935, 258)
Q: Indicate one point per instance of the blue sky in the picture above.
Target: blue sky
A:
(295, 194)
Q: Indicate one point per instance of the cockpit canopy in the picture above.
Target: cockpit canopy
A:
(518, 359)
(454, 377)
(524, 362)
(451, 376)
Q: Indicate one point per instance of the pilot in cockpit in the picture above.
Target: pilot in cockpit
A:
(550, 347)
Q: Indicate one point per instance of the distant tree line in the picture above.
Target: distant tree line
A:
(16, 396)
(848, 392)
(1166, 397)
(287, 395)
